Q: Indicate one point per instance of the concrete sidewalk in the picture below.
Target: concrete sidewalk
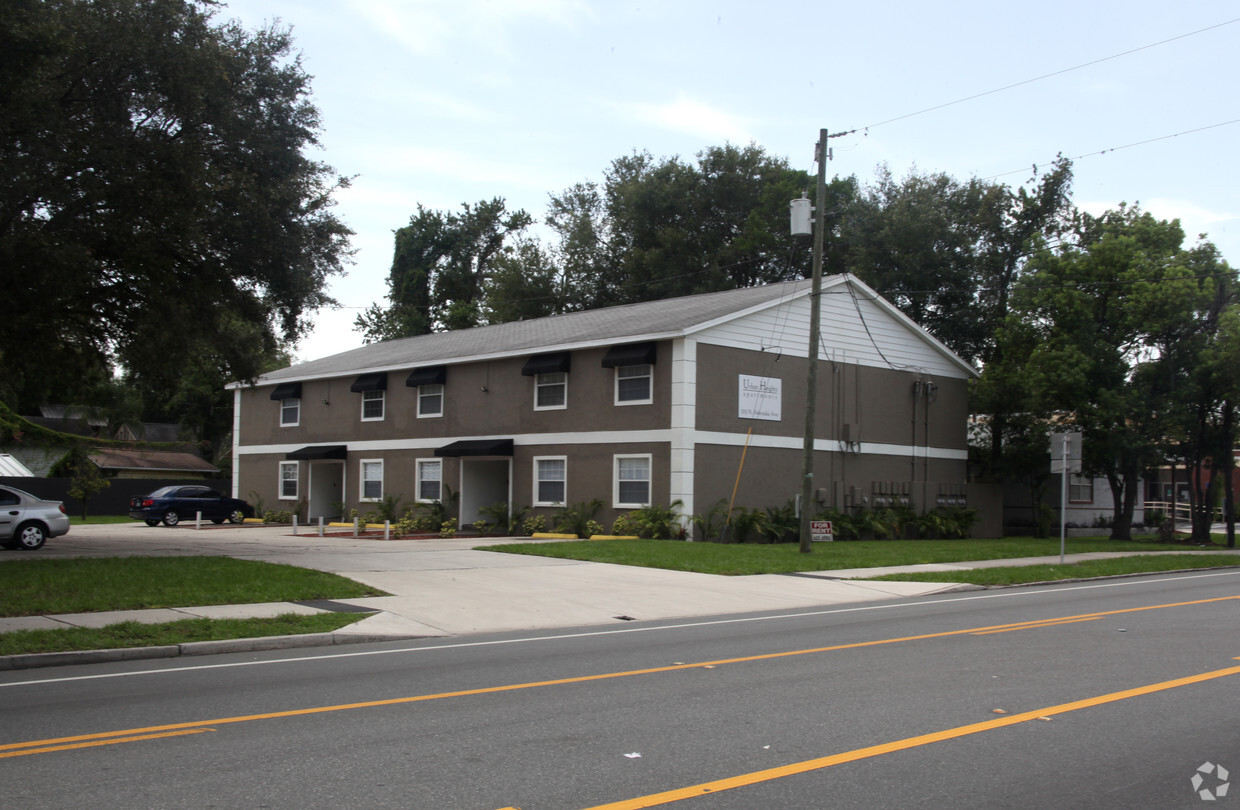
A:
(442, 587)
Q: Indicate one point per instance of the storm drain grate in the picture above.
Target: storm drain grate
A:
(625, 618)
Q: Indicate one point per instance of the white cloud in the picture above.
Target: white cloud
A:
(691, 117)
(435, 27)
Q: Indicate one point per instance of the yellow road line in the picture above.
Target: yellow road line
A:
(110, 736)
(46, 749)
(1036, 625)
(746, 780)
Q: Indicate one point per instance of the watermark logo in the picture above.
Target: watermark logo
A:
(1218, 783)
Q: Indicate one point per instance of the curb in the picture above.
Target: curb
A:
(58, 659)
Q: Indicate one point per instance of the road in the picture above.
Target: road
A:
(1106, 694)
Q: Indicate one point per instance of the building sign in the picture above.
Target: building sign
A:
(759, 398)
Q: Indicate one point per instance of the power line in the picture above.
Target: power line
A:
(1040, 78)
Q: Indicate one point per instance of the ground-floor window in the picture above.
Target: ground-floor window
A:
(372, 480)
(288, 480)
(430, 479)
(550, 480)
(632, 481)
(1080, 489)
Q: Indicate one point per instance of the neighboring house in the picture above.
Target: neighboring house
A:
(162, 464)
(642, 404)
(12, 467)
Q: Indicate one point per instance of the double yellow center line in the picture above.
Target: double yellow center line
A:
(181, 729)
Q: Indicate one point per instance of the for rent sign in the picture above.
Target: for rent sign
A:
(760, 398)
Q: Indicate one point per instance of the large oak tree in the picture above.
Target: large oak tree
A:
(158, 200)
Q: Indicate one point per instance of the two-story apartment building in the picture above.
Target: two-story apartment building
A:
(641, 404)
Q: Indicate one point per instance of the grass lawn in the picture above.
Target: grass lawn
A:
(43, 587)
(1018, 575)
(782, 558)
(133, 634)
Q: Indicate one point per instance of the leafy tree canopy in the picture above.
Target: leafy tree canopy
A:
(157, 194)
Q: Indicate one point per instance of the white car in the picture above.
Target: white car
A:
(26, 521)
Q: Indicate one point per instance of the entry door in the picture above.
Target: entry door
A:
(326, 488)
(484, 482)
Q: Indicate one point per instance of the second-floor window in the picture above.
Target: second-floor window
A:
(551, 391)
(372, 405)
(430, 400)
(290, 412)
(634, 384)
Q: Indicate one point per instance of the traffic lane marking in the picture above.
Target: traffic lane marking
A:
(770, 774)
(127, 735)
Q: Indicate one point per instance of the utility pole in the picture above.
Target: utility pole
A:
(811, 382)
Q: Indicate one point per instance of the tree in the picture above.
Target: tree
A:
(84, 477)
(156, 186)
(1116, 313)
(662, 228)
(947, 253)
(441, 270)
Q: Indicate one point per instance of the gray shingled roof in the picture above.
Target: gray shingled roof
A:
(669, 317)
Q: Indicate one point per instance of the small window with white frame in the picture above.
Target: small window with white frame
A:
(430, 400)
(372, 405)
(635, 384)
(288, 480)
(1080, 489)
(372, 479)
(551, 391)
(290, 412)
(550, 480)
(632, 481)
(430, 480)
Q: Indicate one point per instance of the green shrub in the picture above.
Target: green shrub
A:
(625, 526)
(534, 524)
(659, 522)
(575, 519)
(709, 527)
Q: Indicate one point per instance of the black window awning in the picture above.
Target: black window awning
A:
(547, 363)
(287, 391)
(476, 447)
(630, 354)
(320, 452)
(370, 382)
(427, 375)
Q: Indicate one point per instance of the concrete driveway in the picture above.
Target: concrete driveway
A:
(443, 587)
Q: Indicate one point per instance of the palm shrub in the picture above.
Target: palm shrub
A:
(502, 518)
(709, 527)
(781, 525)
(744, 525)
(577, 519)
(437, 512)
(659, 522)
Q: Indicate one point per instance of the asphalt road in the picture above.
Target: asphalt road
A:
(1103, 695)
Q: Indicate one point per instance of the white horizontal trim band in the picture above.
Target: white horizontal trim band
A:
(682, 439)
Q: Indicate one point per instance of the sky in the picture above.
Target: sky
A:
(444, 102)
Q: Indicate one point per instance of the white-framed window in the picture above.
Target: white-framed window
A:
(551, 391)
(632, 481)
(550, 480)
(635, 384)
(1080, 489)
(372, 479)
(430, 400)
(372, 405)
(290, 412)
(430, 479)
(288, 480)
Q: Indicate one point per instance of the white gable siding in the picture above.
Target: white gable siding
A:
(854, 330)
